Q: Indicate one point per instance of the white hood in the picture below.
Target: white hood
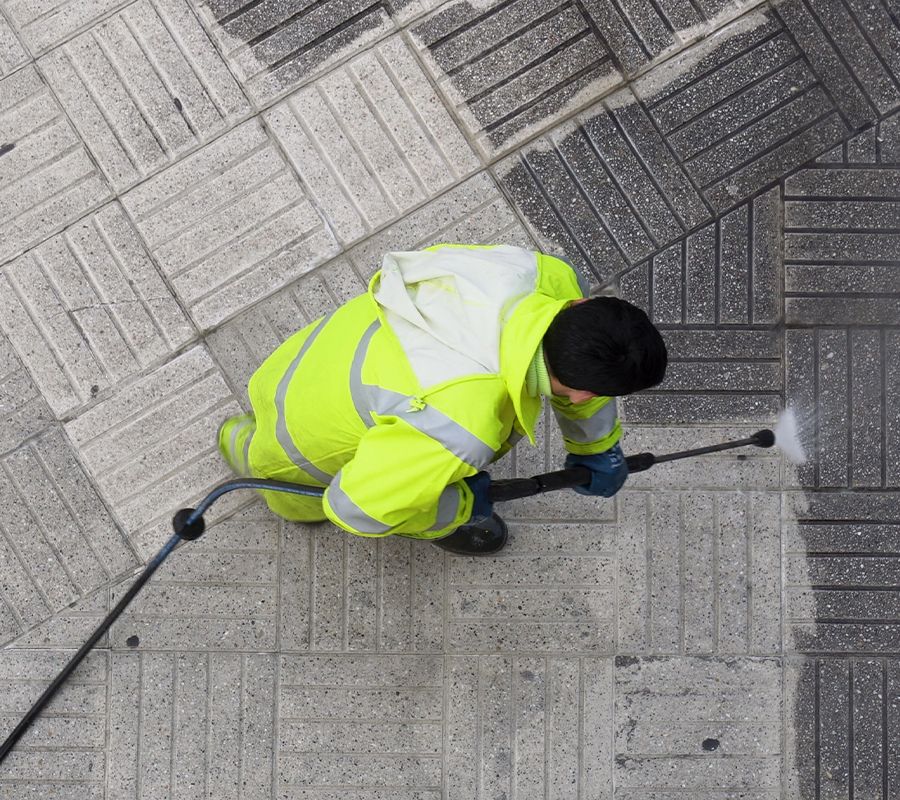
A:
(448, 306)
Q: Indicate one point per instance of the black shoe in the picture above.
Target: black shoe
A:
(481, 539)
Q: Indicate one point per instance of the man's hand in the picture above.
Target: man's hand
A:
(608, 471)
(482, 508)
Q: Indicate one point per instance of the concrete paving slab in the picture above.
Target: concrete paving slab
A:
(49, 179)
(511, 70)
(257, 229)
(274, 48)
(184, 185)
(144, 87)
(88, 309)
(371, 140)
(24, 410)
(184, 401)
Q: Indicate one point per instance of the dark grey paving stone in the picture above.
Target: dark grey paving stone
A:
(637, 31)
(846, 728)
(543, 189)
(746, 113)
(275, 46)
(850, 31)
(658, 407)
(841, 569)
(606, 188)
(846, 388)
(714, 297)
(513, 64)
(841, 250)
(828, 42)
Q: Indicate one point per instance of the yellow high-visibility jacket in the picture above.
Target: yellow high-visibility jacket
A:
(396, 396)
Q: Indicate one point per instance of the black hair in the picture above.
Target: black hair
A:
(605, 346)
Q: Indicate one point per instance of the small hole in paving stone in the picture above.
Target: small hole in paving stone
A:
(710, 744)
(134, 641)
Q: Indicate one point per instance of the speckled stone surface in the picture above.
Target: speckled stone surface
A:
(185, 183)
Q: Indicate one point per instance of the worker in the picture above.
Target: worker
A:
(398, 400)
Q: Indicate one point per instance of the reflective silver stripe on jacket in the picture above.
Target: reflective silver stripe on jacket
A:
(244, 465)
(282, 434)
(448, 505)
(350, 513)
(591, 429)
(514, 437)
(467, 447)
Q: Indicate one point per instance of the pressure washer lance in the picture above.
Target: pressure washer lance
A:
(189, 525)
(514, 488)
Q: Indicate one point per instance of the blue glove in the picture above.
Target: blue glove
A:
(482, 508)
(608, 471)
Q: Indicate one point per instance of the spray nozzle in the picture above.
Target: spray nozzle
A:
(763, 438)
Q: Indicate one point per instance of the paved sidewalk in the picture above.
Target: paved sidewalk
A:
(185, 184)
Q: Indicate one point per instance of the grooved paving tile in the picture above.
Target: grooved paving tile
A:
(545, 602)
(853, 49)
(44, 24)
(87, 308)
(371, 140)
(841, 246)
(218, 593)
(23, 411)
(359, 724)
(744, 115)
(841, 565)
(73, 625)
(151, 446)
(837, 750)
(275, 47)
(604, 187)
(714, 295)
(229, 225)
(191, 725)
(64, 753)
(698, 573)
(48, 179)
(343, 593)
(12, 54)
(473, 212)
(849, 415)
(58, 541)
(144, 87)
(637, 31)
(876, 144)
(708, 727)
(511, 67)
(512, 721)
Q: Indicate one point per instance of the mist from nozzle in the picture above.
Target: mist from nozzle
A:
(787, 438)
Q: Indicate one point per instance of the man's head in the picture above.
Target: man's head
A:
(603, 347)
